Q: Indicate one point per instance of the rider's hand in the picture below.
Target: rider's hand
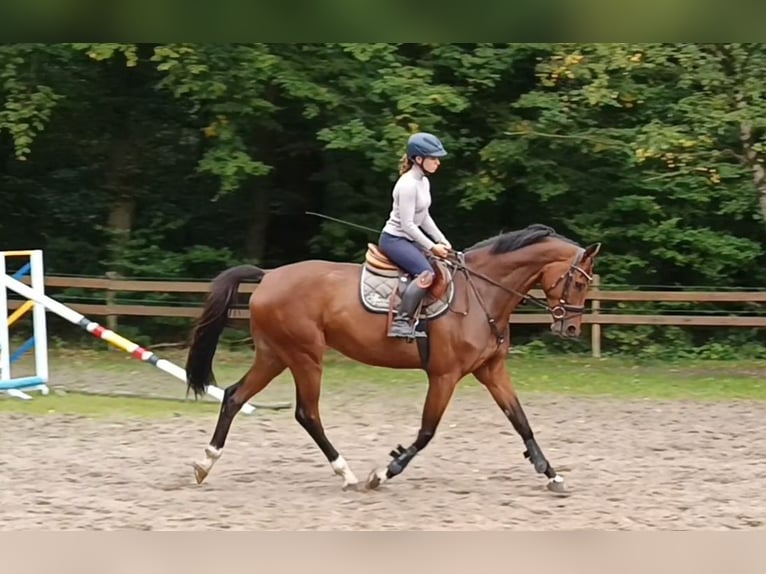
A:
(446, 243)
(440, 250)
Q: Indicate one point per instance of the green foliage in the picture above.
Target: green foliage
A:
(671, 135)
(142, 256)
(179, 159)
(27, 102)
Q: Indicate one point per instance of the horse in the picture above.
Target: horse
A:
(300, 309)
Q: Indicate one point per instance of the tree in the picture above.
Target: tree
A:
(661, 131)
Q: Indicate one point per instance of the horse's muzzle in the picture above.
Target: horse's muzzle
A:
(567, 329)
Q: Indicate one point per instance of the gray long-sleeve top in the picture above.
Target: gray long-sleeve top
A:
(409, 213)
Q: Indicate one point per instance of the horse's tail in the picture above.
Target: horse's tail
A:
(210, 324)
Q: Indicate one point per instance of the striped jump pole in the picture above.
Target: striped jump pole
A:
(92, 327)
(19, 387)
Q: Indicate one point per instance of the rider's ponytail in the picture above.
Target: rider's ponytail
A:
(405, 164)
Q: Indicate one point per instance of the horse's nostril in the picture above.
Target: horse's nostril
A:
(571, 330)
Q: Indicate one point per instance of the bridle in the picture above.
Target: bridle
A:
(559, 312)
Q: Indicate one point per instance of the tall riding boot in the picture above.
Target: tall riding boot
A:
(402, 325)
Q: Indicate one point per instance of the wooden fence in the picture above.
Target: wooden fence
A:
(108, 288)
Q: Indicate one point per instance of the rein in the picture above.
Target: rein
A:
(558, 312)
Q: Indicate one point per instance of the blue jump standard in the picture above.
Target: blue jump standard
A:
(22, 272)
(21, 383)
(28, 344)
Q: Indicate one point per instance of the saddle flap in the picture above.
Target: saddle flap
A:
(442, 279)
(379, 288)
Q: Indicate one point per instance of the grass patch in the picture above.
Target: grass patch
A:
(691, 380)
(584, 376)
(94, 406)
(560, 375)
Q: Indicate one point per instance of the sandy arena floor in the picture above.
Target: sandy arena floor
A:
(629, 465)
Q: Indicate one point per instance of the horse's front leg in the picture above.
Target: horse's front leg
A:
(494, 375)
(440, 391)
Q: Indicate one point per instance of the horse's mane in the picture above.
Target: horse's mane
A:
(513, 240)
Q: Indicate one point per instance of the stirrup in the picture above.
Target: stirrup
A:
(410, 333)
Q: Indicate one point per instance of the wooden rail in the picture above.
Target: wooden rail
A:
(597, 317)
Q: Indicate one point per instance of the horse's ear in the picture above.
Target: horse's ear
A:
(591, 251)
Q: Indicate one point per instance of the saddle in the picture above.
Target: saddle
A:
(383, 281)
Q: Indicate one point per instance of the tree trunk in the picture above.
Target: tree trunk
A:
(120, 185)
(752, 159)
(121, 223)
(759, 179)
(255, 241)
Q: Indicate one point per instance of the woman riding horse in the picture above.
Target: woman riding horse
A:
(402, 238)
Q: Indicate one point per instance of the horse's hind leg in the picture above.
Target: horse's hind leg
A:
(264, 369)
(440, 391)
(307, 373)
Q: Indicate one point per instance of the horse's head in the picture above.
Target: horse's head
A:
(565, 284)
(561, 266)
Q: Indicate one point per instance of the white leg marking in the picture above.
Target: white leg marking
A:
(202, 467)
(556, 484)
(341, 468)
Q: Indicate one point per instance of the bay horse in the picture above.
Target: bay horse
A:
(300, 309)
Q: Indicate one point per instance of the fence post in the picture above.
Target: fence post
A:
(111, 320)
(595, 328)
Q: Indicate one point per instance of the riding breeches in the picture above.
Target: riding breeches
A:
(405, 253)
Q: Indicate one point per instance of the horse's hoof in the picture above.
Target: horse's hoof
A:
(200, 473)
(375, 479)
(556, 485)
